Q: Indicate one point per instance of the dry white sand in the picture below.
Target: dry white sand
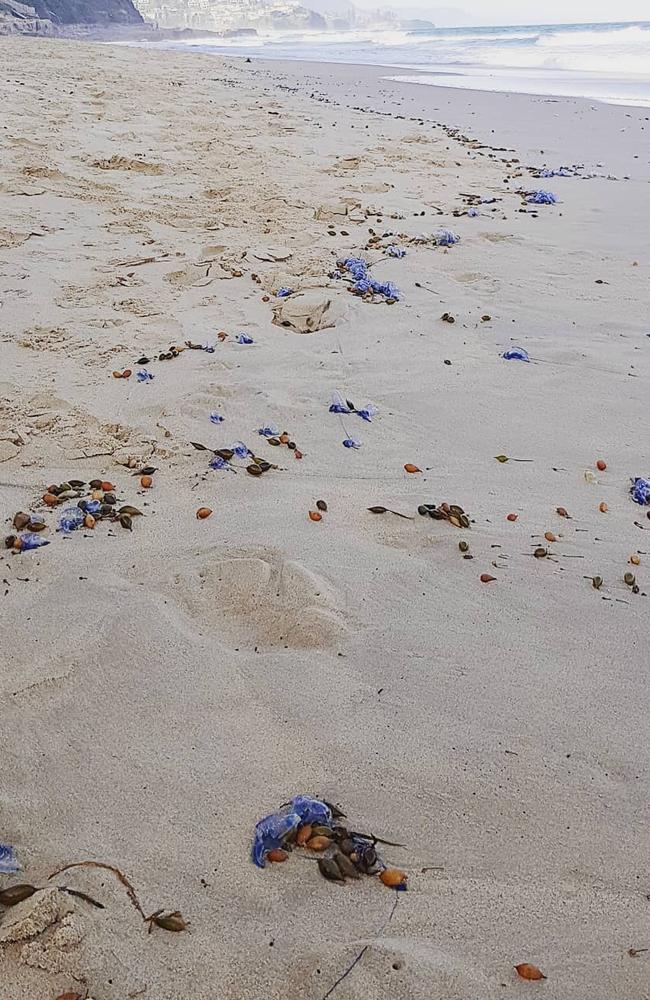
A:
(163, 689)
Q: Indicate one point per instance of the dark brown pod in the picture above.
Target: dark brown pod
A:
(9, 541)
(147, 471)
(131, 511)
(225, 453)
(170, 922)
(21, 520)
(95, 484)
(126, 522)
(345, 866)
(273, 441)
(254, 470)
(330, 870)
(347, 845)
(37, 525)
(321, 505)
(110, 498)
(16, 894)
(77, 483)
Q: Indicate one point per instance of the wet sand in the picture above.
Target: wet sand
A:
(164, 688)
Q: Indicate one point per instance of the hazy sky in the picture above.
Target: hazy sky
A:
(522, 11)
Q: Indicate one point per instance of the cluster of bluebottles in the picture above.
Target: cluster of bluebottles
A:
(342, 406)
(363, 283)
(237, 450)
(541, 198)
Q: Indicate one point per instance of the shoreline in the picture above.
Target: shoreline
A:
(167, 686)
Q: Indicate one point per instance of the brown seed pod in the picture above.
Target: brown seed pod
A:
(9, 541)
(110, 498)
(50, 500)
(601, 465)
(562, 511)
(95, 484)
(254, 470)
(635, 559)
(21, 520)
(146, 482)
(409, 467)
(550, 537)
(97, 495)
(540, 552)
(203, 512)
(16, 894)
(347, 845)
(345, 866)
(89, 521)
(126, 522)
(225, 453)
(284, 438)
(512, 517)
(602, 507)
(274, 441)
(304, 834)
(277, 855)
(319, 830)
(330, 870)
(393, 877)
(117, 374)
(131, 511)
(127, 373)
(319, 843)
(37, 525)
(170, 922)
(297, 454)
(629, 579)
(106, 486)
(314, 515)
(463, 546)
(486, 578)
(597, 582)
(321, 505)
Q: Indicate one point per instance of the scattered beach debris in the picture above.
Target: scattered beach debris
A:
(445, 512)
(169, 920)
(314, 826)
(96, 501)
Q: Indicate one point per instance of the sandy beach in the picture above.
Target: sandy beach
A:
(165, 687)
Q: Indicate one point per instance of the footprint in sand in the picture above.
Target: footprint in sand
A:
(273, 601)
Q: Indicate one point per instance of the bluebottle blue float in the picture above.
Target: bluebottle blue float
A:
(271, 831)
(516, 354)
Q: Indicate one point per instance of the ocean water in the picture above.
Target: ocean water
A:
(607, 62)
